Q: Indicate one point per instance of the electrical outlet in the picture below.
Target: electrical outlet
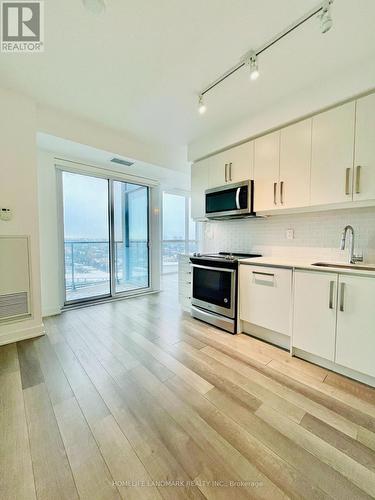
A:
(290, 234)
(5, 214)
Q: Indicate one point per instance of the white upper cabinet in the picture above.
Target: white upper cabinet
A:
(199, 183)
(231, 166)
(324, 160)
(355, 344)
(218, 171)
(295, 165)
(364, 159)
(314, 315)
(332, 155)
(241, 162)
(267, 171)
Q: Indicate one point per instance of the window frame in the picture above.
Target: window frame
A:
(187, 197)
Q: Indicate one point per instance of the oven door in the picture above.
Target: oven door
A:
(214, 289)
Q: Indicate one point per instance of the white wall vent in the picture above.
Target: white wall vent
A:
(14, 305)
(14, 278)
(120, 161)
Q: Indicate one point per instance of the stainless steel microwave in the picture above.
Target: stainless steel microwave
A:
(231, 200)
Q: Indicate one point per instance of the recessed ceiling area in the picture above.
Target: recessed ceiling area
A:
(139, 66)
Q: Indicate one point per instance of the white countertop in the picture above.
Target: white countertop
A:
(296, 263)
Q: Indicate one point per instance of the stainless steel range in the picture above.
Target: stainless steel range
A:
(214, 288)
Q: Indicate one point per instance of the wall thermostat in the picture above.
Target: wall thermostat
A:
(5, 214)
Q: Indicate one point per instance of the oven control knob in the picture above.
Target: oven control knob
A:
(225, 301)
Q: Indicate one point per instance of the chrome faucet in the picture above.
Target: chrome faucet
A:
(353, 258)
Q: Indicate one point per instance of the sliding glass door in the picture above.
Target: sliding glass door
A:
(86, 237)
(131, 268)
(106, 237)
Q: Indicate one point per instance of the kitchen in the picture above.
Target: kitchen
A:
(309, 290)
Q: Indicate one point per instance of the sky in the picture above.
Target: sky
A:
(86, 210)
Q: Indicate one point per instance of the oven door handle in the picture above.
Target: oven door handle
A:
(214, 268)
(238, 198)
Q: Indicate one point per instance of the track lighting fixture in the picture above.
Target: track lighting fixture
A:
(95, 6)
(250, 60)
(252, 63)
(201, 105)
(325, 16)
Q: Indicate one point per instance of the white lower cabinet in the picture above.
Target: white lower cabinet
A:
(334, 318)
(265, 297)
(314, 313)
(355, 344)
(184, 282)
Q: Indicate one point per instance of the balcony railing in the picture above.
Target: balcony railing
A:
(87, 263)
(170, 251)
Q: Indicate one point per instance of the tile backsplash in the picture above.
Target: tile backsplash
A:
(316, 235)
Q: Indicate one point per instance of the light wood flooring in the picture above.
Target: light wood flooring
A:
(134, 399)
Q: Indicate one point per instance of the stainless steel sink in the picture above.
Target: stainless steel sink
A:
(345, 266)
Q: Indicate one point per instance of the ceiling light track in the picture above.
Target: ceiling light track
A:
(251, 58)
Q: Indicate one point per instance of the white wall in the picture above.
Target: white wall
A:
(66, 126)
(18, 191)
(317, 235)
(51, 283)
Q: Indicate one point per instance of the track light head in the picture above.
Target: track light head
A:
(202, 108)
(252, 63)
(325, 17)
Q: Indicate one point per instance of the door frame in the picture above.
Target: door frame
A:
(110, 177)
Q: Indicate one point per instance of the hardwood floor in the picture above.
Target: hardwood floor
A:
(134, 399)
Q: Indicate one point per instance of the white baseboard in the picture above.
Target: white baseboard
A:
(270, 336)
(330, 365)
(24, 334)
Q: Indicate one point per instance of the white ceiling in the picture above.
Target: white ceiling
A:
(139, 66)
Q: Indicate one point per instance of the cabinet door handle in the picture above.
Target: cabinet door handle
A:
(238, 205)
(226, 172)
(331, 291)
(264, 279)
(282, 192)
(358, 179)
(347, 181)
(230, 172)
(274, 193)
(342, 296)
